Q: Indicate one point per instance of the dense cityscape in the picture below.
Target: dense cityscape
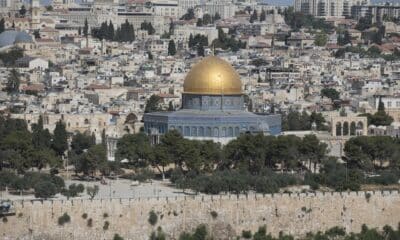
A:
(199, 119)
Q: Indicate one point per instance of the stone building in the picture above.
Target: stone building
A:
(212, 107)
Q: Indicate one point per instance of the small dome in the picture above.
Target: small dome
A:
(8, 38)
(213, 76)
(23, 37)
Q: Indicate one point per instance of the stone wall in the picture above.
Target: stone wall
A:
(296, 214)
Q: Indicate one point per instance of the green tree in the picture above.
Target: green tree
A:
(200, 51)
(364, 23)
(330, 93)
(136, 148)
(189, 15)
(153, 104)
(321, 39)
(13, 82)
(263, 15)
(191, 41)
(254, 16)
(81, 142)
(171, 48)
(313, 150)
(2, 25)
(92, 191)
(45, 190)
(110, 31)
(41, 138)
(22, 11)
(199, 22)
(207, 19)
(217, 16)
(94, 159)
(86, 28)
(60, 140)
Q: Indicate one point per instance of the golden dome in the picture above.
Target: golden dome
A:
(213, 76)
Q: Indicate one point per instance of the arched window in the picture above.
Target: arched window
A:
(208, 132)
(352, 129)
(194, 131)
(345, 128)
(230, 132)
(237, 131)
(187, 131)
(86, 121)
(216, 132)
(223, 133)
(201, 132)
(339, 129)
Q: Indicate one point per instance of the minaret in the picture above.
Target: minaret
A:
(35, 14)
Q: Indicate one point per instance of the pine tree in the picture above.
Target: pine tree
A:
(2, 25)
(171, 48)
(60, 143)
(150, 29)
(191, 41)
(93, 139)
(79, 31)
(13, 82)
(171, 28)
(263, 15)
(110, 31)
(217, 16)
(86, 28)
(103, 138)
(131, 33)
(22, 11)
(253, 16)
(199, 22)
(200, 51)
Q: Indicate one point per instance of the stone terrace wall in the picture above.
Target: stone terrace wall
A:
(296, 214)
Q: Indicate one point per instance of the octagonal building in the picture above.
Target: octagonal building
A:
(212, 107)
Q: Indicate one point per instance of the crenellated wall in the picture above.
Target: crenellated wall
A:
(296, 214)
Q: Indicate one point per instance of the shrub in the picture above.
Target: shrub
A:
(214, 214)
(246, 234)
(84, 216)
(106, 225)
(73, 190)
(90, 222)
(65, 218)
(153, 218)
(5, 220)
(92, 191)
(368, 196)
(118, 237)
(45, 189)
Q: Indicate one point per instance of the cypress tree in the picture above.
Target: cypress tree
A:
(60, 143)
(191, 41)
(263, 15)
(171, 48)
(2, 25)
(110, 31)
(86, 28)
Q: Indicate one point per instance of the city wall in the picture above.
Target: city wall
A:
(296, 214)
